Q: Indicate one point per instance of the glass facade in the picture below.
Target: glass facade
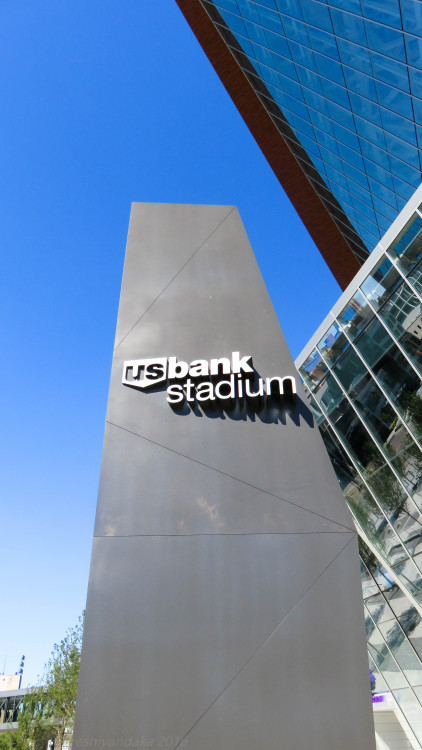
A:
(393, 631)
(363, 379)
(345, 76)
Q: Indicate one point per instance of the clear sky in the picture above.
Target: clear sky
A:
(103, 102)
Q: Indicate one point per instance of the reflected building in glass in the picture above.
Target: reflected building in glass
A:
(332, 92)
(363, 374)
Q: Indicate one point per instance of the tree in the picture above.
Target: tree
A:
(8, 741)
(48, 710)
(413, 404)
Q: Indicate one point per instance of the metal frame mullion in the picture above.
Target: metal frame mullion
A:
(381, 387)
(389, 649)
(371, 434)
(391, 572)
(399, 416)
(405, 278)
(362, 478)
(395, 619)
(391, 653)
(359, 526)
(392, 335)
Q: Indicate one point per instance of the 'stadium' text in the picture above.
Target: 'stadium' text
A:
(218, 380)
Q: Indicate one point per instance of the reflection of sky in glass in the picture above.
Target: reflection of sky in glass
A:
(316, 359)
(330, 337)
(348, 80)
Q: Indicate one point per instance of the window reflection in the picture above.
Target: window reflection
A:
(350, 428)
(411, 578)
(407, 250)
(343, 467)
(415, 277)
(374, 524)
(379, 284)
(392, 369)
(412, 625)
(368, 399)
(313, 369)
(408, 464)
(333, 344)
(402, 314)
(379, 609)
(402, 651)
(398, 508)
(384, 660)
(354, 317)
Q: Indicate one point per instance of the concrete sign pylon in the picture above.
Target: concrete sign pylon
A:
(224, 605)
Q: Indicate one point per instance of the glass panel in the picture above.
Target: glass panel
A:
(368, 399)
(398, 602)
(357, 440)
(379, 284)
(378, 684)
(391, 368)
(408, 464)
(413, 402)
(369, 587)
(317, 413)
(411, 623)
(415, 278)
(379, 609)
(374, 524)
(410, 577)
(407, 250)
(354, 317)
(402, 651)
(333, 344)
(385, 40)
(328, 394)
(402, 315)
(400, 511)
(417, 559)
(411, 708)
(313, 369)
(343, 467)
(384, 661)
(381, 579)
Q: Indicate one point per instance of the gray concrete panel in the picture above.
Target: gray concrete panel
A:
(197, 499)
(224, 551)
(300, 672)
(184, 239)
(164, 644)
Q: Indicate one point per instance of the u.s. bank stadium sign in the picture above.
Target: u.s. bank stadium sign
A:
(203, 381)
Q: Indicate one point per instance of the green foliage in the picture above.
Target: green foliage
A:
(48, 710)
(9, 741)
(367, 556)
(414, 406)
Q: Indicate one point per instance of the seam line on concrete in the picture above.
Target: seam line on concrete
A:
(174, 277)
(262, 644)
(236, 479)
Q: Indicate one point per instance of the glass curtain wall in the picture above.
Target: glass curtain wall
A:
(394, 636)
(364, 385)
(346, 75)
(363, 380)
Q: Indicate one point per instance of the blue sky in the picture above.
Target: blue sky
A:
(103, 103)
